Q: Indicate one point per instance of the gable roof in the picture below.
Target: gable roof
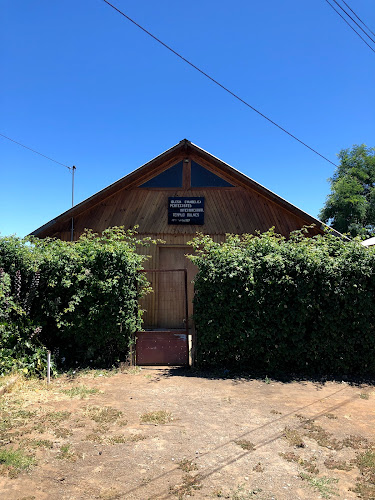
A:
(162, 162)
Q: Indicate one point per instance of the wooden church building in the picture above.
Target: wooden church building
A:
(176, 194)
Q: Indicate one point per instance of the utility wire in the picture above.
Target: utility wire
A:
(350, 26)
(359, 19)
(354, 21)
(37, 152)
(216, 82)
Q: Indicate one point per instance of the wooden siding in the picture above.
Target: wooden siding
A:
(245, 208)
(227, 210)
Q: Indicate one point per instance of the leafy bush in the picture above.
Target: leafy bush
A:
(87, 299)
(20, 347)
(302, 305)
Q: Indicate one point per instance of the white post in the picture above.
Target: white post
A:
(48, 367)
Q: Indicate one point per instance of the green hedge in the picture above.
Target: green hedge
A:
(20, 346)
(82, 297)
(302, 305)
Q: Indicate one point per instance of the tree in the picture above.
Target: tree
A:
(350, 207)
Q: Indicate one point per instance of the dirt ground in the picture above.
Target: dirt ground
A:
(159, 433)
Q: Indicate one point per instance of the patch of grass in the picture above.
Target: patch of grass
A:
(188, 485)
(24, 414)
(62, 432)
(293, 437)
(330, 463)
(127, 367)
(92, 373)
(364, 395)
(117, 439)
(104, 415)
(275, 412)
(322, 484)
(258, 467)
(12, 462)
(156, 417)
(267, 380)
(110, 494)
(366, 460)
(364, 490)
(301, 417)
(331, 416)
(240, 493)
(245, 444)
(94, 437)
(57, 416)
(132, 438)
(355, 442)
(322, 437)
(66, 453)
(307, 465)
(187, 465)
(365, 485)
(37, 443)
(50, 419)
(80, 391)
(12, 417)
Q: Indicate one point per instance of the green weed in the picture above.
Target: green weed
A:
(321, 484)
(187, 465)
(307, 465)
(322, 437)
(37, 443)
(189, 484)
(66, 453)
(62, 432)
(364, 395)
(245, 444)
(12, 462)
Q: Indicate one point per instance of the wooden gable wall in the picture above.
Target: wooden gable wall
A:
(239, 209)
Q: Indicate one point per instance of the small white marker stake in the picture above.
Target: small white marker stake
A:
(48, 367)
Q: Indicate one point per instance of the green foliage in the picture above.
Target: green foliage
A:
(86, 304)
(350, 208)
(20, 346)
(302, 305)
(14, 461)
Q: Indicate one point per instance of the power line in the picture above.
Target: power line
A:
(359, 19)
(354, 21)
(216, 82)
(37, 152)
(350, 26)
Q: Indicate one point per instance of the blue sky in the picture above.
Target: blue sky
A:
(84, 86)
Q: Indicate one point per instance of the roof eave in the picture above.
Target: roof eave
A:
(183, 145)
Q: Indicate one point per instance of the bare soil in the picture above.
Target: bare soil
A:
(159, 433)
